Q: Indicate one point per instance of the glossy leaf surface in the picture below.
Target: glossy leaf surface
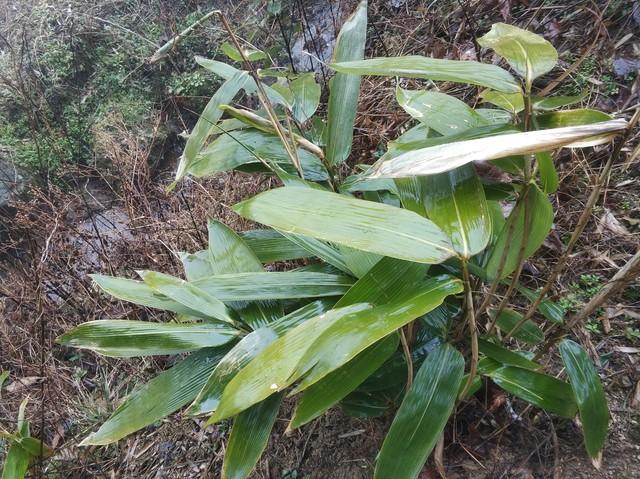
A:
(422, 416)
(274, 285)
(344, 88)
(455, 201)
(249, 436)
(124, 338)
(415, 66)
(161, 396)
(540, 219)
(270, 246)
(439, 111)
(339, 383)
(506, 356)
(306, 96)
(541, 390)
(589, 394)
(365, 225)
(528, 54)
(529, 332)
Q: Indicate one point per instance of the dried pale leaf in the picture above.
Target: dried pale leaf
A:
(441, 158)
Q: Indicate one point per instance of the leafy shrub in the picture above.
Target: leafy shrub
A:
(397, 251)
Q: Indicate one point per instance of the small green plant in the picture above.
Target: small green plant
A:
(403, 257)
(581, 291)
(21, 447)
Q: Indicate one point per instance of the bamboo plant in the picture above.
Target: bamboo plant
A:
(396, 305)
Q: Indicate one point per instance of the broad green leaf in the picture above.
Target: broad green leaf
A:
(139, 293)
(33, 446)
(415, 66)
(227, 71)
(447, 156)
(528, 333)
(247, 148)
(548, 173)
(439, 111)
(505, 356)
(125, 339)
(163, 395)
(249, 436)
(306, 96)
(336, 385)
(274, 285)
(350, 335)
(455, 201)
(228, 253)
(553, 102)
(358, 183)
(359, 262)
(270, 246)
(410, 190)
(232, 52)
(541, 390)
(386, 282)
(209, 117)
(549, 309)
(528, 54)
(540, 220)
(4, 375)
(326, 252)
(196, 265)
(344, 88)
(589, 394)
(364, 225)
(494, 116)
(511, 102)
(16, 462)
(271, 369)
(422, 416)
(189, 295)
(364, 405)
(243, 352)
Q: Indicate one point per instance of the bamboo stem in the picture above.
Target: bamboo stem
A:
(473, 329)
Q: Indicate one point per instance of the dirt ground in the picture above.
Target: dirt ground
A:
(56, 238)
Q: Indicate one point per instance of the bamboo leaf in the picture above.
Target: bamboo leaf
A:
(140, 293)
(549, 309)
(440, 112)
(326, 252)
(541, 390)
(249, 437)
(270, 246)
(589, 394)
(273, 285)
(124, 338)
(338, 384)
(196, 265)
(349, 336)
(455, 201)
(232, 52)
(16, 462)
(528, 54)
(306, 96)
(242, 353)
(447, 156)
(553, 102)
(161, 396)
(189, 295)
(529, 332)
(511, 102)
(422, 415)
(364, 225)
(271, 369)
(246, 148)
(568, 118)
(548, 173)
(415, 66)
(505, 356)
(540, 220)
(344, 88)
(209, 117)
